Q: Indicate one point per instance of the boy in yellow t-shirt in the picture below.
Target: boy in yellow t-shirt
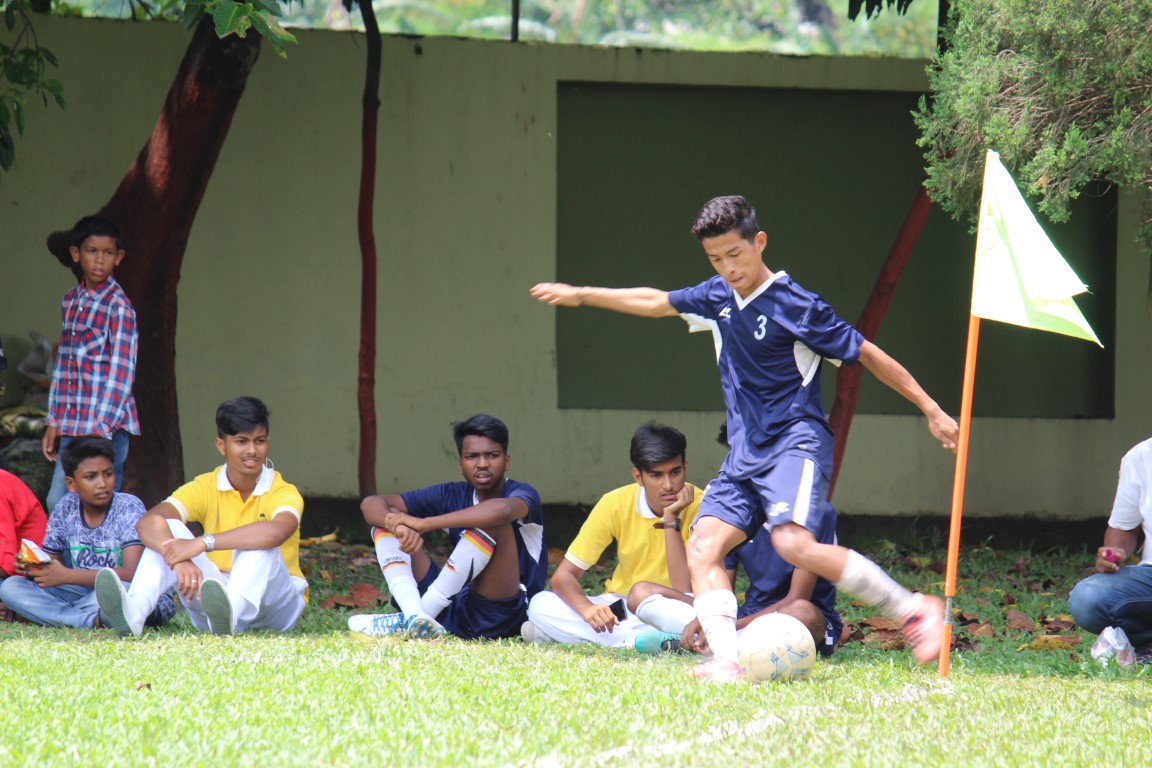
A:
(244, 571)
(649, 522)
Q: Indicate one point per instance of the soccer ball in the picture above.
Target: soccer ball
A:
(776, 647)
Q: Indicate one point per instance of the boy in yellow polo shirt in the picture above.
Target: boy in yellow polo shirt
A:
(649, 521)
(244, 571)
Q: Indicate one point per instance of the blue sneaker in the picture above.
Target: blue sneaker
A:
(421, 627)
(654, 641)
(378, 624)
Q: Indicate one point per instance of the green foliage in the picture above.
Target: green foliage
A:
(783, 26)
(24, 63)
(233, 18)
(1061, 89)
(24, 71)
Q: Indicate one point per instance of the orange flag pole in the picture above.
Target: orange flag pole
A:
(958, 491)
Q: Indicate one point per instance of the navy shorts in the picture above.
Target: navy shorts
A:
(792, 490)
(471, 616)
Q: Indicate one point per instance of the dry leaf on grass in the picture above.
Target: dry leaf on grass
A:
(1020, 621)
(885, 639)
(881, 623)
(364, 595)
(1050, 643)
(981, 630)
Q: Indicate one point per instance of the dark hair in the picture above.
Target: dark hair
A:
(96, 226)
(240, 414)
(722, 435)
(81, 448)
(654, 444)
(480, 425)
(721, 215)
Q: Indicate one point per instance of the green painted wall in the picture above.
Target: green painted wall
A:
(467, 220)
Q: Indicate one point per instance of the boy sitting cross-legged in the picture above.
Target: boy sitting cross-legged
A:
(244, 571)
(92, 527)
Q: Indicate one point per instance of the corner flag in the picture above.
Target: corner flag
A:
(1020, 277)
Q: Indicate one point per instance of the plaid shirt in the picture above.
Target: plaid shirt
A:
(96, 365)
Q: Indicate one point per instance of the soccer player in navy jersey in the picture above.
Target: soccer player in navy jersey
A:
(498, 561)
(771, 335)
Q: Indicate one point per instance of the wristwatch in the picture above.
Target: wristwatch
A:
(674, 525)
(209, 542)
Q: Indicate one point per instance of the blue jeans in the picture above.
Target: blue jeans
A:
(1122, 599)
(67, 605)
(58, 489)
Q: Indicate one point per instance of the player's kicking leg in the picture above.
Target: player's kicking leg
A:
(921, 616)
(715, 602)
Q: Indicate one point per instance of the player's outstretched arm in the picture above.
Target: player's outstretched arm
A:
(942, 426)
(645, 302)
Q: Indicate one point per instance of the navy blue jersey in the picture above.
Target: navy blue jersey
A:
(768, 349)
(450, 497)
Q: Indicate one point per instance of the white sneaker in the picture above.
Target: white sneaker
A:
(533, 634)
(113, 601)
(217, 607)
(378, 624)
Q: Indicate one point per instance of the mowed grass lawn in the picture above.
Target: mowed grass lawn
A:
(322, 696)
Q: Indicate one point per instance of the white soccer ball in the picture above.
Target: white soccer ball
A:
(776, 647)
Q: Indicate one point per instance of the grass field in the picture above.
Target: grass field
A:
(322, 696)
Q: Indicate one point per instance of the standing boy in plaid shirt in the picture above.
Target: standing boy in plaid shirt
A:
(96, 365)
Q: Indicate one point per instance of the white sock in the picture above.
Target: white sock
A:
(868, 582)
(471, 555)
(397, 569)
(665, 613)
(717, 613)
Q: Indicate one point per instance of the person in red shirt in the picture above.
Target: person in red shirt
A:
(21, 517)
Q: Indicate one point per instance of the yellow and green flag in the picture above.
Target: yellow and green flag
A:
(1020, 277)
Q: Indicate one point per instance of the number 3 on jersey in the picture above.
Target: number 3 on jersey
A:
(760, 323)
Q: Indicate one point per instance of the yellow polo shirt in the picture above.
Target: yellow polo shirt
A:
(211, 500)
(624, 515)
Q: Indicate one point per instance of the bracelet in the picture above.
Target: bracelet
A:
(673, 526)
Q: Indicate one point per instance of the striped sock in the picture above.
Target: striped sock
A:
(397, 569)
(471, 555)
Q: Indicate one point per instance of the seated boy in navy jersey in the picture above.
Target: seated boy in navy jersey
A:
(771, 337)
(498, 561)
(773, 586)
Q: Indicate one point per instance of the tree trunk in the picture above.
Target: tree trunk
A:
(366, 381)
(155, 206)
(848, 376)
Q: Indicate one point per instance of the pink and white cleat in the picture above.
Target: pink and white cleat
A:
(923, 628)
(718, 671)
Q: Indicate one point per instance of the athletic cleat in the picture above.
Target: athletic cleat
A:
(923, 628)
(718, 671)
(654, 641)
(531, 633)
(217, 607)
(113, 601)
(378, 624)
(421, 627)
